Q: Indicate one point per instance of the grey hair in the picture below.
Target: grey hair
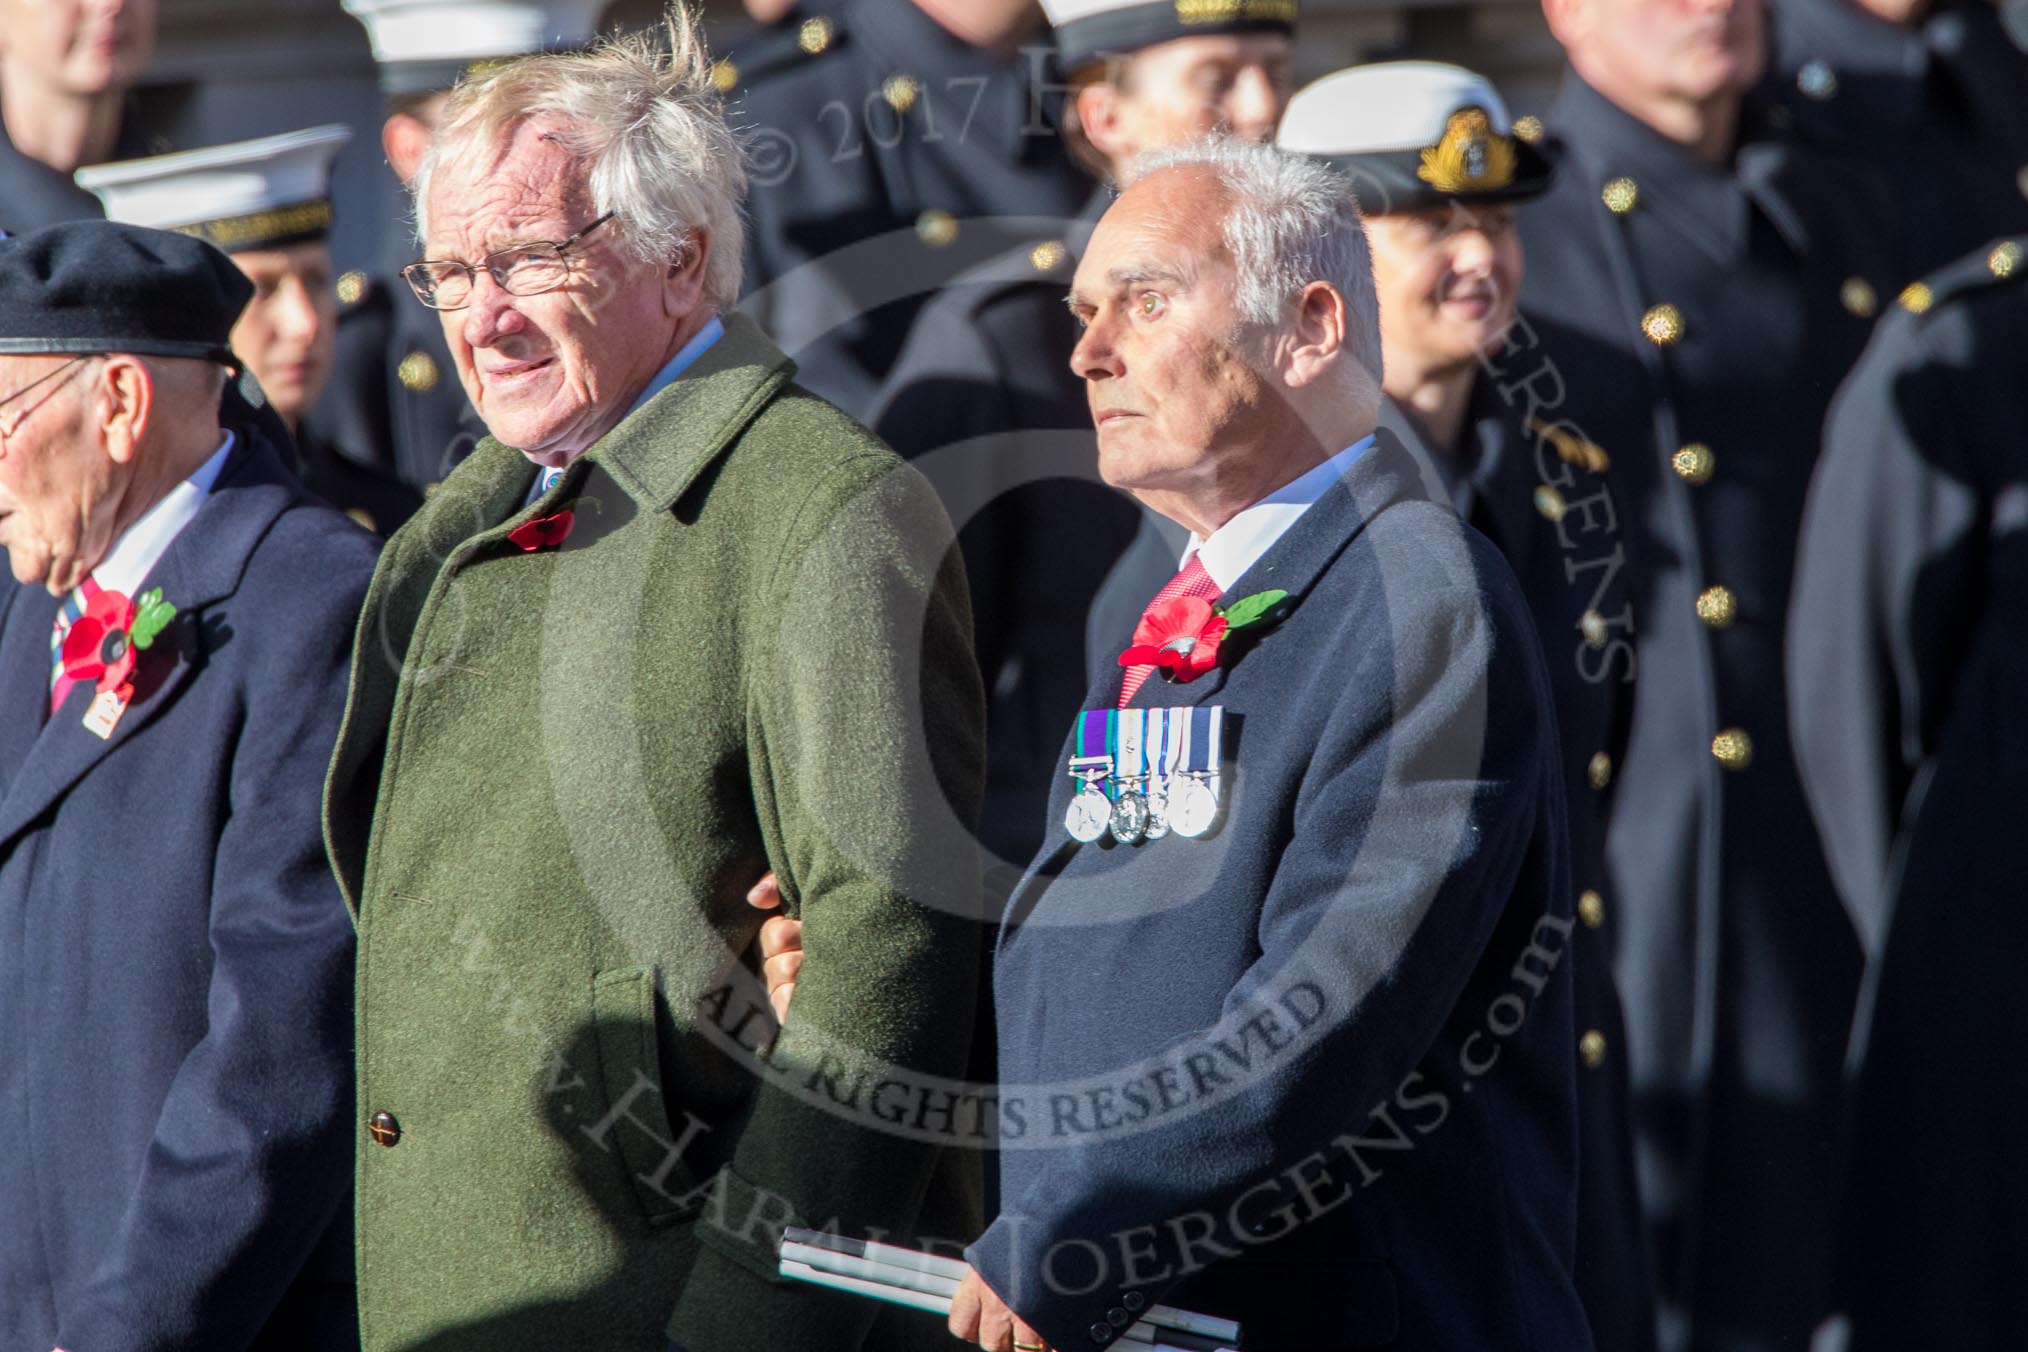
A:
(647, 124)
(1294, 220)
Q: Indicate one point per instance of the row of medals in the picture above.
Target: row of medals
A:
(1187, 807)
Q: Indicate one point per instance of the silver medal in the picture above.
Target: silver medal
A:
(1192, 808)
(1130, 819)
(1158, 815)
(1088, 815)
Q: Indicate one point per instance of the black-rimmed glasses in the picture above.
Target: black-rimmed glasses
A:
(520, 270)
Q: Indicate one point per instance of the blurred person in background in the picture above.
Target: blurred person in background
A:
(1696, 289)
(267, 204)
(1908, 654)
(66, 67)
(984, 400)
(1441, 180)
(1932, 93)
(394, 403)
(895, 143)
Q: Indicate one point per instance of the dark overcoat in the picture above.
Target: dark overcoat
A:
(175, 958)
(1336, 1101)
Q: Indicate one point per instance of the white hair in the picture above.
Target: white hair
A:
(1294, 220)
(647, 124)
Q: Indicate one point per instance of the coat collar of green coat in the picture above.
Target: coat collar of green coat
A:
(659, 449)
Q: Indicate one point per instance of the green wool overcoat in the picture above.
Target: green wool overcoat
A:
(562, 765)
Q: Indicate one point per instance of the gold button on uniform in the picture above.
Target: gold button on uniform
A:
(417, 373)
(1733, 748)
(1600, 772)
(1591, 1049)
(1859, 297)
(351, 287)
(2004, 259)
(724, 76)
(1717, 607)
(1916, 298)
(1591, 908)
(900, 92)
(814, 36)
(1663, 324)
(1549, 502)
(1593, 626)
(936, 228)
(1817, 80)
(1529, 129)
(1694, 463)
(1621, 195)
(1047, 255)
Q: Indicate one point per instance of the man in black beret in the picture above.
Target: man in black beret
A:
(175, 970)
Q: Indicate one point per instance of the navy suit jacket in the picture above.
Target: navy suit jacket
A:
(1313, 1071)
(175, 961)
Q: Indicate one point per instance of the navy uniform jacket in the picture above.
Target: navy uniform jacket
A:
(1514, 484)
(394, 403)
(33, 195)
(1940, 108)
(1692, 322)
(1262, 1074)
(1908, 659)
(175, 961)
(888, 158)
(984, 403)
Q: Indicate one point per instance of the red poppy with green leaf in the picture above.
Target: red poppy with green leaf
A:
(1183, 636)
(107, 640)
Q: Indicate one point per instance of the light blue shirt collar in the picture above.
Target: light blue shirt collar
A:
(713, 330)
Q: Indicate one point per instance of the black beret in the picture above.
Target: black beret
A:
(98, 286)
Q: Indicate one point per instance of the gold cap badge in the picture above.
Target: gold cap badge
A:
(1471, 157)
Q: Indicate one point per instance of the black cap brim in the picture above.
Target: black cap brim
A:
(1390, 181)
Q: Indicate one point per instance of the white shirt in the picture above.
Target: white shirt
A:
(1238, 544)
(137, 551)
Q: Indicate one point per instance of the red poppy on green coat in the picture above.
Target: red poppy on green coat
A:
(544, 532)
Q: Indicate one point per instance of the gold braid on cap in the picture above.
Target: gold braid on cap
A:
(1233, 11)
(1472, 157)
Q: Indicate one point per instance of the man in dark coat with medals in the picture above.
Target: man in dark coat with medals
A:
(1908, 656)
(896, 144)
(1313, 810)
(1441, 180)
(175, 982)
(1694, 294)
(65, 73)
(267, 204)
(983, 400)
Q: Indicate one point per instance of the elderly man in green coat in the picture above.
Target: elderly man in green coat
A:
(676, 622)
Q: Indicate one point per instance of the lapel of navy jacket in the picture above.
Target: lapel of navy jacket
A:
(175, 960)
(1313, 1071)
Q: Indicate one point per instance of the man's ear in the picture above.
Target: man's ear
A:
(123, 403)
(1102, 116)
(683, 280)
(1317, 334)
(404, 138)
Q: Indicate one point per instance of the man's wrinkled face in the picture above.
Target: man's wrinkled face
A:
(1447, 278)
(289, 331)
(1164, 353)
(56, 480)
(1680, 49)
(550, 373)
(80, 46)
(1179, 90)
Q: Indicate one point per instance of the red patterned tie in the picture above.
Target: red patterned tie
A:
(1192, 581)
